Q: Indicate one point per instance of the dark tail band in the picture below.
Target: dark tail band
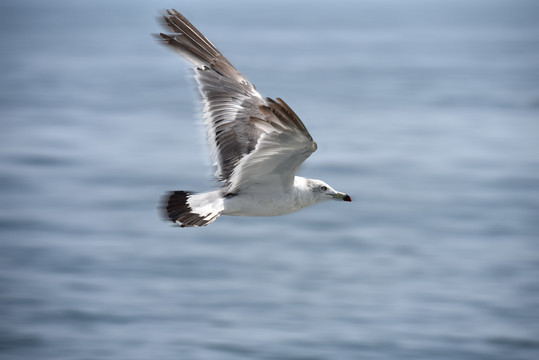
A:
(179, 211)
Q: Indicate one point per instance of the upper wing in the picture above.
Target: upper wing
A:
(250, 139)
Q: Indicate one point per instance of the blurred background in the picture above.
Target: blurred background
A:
(425, 112)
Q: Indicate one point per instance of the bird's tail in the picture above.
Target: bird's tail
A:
(189, 209)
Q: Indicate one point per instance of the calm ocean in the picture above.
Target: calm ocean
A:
(425, 112)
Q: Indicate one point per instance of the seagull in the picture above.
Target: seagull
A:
(256, 144)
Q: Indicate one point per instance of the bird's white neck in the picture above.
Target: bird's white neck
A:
(302, 192)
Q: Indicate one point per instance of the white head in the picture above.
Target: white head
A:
(320, 191)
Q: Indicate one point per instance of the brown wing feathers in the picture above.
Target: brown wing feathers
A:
(285, 114)
(238, 115)
(179, 24)
(190, 42)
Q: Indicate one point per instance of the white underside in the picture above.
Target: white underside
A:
(264, 201)
(272, 202)
(261, 205)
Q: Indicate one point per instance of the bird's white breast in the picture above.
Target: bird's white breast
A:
(262, 204)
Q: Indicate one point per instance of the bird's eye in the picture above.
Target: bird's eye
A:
(323, 188)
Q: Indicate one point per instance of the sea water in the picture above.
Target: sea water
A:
(426, 113)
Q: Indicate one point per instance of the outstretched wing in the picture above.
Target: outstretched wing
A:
(251, 140)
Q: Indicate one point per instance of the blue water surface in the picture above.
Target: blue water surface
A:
(425, 112)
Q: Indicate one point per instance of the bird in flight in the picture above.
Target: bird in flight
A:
(256, 144)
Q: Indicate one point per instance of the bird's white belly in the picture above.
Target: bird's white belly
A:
(261, 204)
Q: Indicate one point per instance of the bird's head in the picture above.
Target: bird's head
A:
(323, 191)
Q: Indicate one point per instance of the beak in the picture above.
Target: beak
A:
(342, 196)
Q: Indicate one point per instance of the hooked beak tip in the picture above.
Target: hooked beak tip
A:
(347, 198)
